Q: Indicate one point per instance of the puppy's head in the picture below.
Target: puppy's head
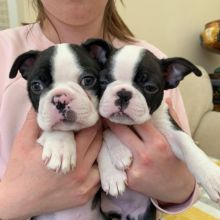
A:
(133, 81)
(62, 86)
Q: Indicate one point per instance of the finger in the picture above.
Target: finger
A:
(93, 177)
(30, 127)
(127, 137)
(94, 190)
(152, 138)
(146, 131)
(84, 138)
(93, 150)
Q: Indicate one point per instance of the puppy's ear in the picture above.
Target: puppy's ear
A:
(98, 49)
(23, 63)
(175, 69)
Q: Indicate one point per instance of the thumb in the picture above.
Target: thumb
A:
(30, 127)
(127, 136)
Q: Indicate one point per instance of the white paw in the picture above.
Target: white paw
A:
(59, 151)
(120, 155)
(113, 182)
(211, 182)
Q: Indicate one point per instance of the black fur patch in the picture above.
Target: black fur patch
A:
(111, 216)
(149, 68)
(43, 74)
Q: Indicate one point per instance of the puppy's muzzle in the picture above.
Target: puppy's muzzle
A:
(61, 102)
(123, 98)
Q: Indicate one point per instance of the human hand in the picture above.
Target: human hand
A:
(28, 188)
(155, 171)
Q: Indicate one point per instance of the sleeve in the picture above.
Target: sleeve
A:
(178, 208)
(174, 96)
(3, 81)
(8, 51)
(3, 60)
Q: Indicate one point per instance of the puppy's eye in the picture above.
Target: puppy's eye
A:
(143, 78)
(103, 82)
(150, 88)
(88, 81)
(37, 86)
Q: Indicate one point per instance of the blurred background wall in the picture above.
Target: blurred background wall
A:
(174, 26)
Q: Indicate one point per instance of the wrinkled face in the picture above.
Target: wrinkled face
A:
(75, 12)
(62, 86)
(131, 85)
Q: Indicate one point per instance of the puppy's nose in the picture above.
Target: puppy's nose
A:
(124, 94)
(124, 97)
(61, 101)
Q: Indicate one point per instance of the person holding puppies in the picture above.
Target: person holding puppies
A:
(27, 188)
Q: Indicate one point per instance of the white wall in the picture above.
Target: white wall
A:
(26, 12)
(14, 19)
(173, 26)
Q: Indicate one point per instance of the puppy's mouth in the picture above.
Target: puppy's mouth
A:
(61, 105)
(66, 117)
(121, 117)
(69, 116)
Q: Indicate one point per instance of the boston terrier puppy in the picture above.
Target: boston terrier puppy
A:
(132, 85)
(62, 85)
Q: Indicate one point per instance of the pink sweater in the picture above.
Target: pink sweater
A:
(14, 101)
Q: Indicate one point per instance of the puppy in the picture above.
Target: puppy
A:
(62, 85)
(132, 86)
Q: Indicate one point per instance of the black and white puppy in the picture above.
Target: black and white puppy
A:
(132, 87)
(62, 83)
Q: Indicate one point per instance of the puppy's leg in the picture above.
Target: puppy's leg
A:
(205, 171)
(112, 179)
(59, 150)
(120, 155)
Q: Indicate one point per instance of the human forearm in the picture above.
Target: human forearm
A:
(172, 183)
(12, 207)
(175, 208)
(179, 189)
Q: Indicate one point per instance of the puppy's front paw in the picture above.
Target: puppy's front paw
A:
(113, 181)
(211, 182)
(59, 151)
(120, 155)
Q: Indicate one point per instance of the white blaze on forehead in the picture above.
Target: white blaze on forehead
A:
(65, 64)
(125, 62)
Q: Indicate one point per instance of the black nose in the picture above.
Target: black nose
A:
(124, 97)
(60, 105)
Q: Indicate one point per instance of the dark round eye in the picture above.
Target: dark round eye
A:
(103, 82)
(88, 81)
(150, 88)
(143, 79)
(37, 86)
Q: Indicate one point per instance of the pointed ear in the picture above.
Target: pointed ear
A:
(23, 63)
(175, 69)
(98, 49)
